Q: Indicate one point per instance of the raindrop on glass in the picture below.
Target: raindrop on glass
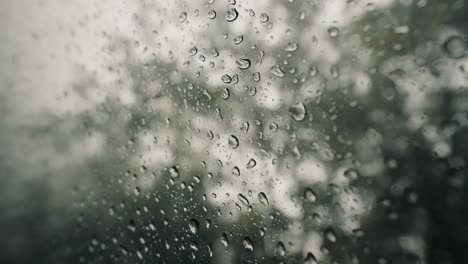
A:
(233, 141)
(238, 40)
(174, 172)
(276, 71)
(309, 195)
(455, 47)
(292, 46)
(225, 93)
(193, 225)
(212, 14)
(231, 14)
(252, 163)
(243, 199)
(248, 244)
(262, 198)
(333, 32)
(298, 111)
(243, 64)
(264, 18)
(280, 249)
(183, 16)
(245, 127)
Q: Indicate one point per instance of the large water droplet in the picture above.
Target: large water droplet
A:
(455, 47)
(193, 225)
(233, 141)
(277, 71)
(309, 195)
(298, 111)
(243, 64)
(248, 244)
(238, 40)
(231, 14)
(193, 51)
(262, 198)
(252, 163)
(280, 249)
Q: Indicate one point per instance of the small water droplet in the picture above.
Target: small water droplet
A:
(225, 93)
(193, 225)
(262, 198)
(243, 64)
(333, 32)
(310, 259)
(224, 239)
(183, 16)
(211, 14)
(280, 249)
(233, 141)
(264, 17)
(174, 172)
(298, 111)
(292, 46)
(236, 171)
(226, 78)
(313, 71)
(330, 235)
(455, 47)
(273, 127)
(238, 40)
(277, 71)
(256, 76)
(243, 199)
(214, 53)
(231, 14)
(252, 90)
(245, 127)
(252, 163)
(351, 174)
(248, 244)
(309, 195)
(193, 51)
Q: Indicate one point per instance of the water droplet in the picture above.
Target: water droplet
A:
(236, 171)
(351, 174)
(245, 127)
(233, 141)
(194, 246)
(298, 111)
(292, 46)
(248, 244)
(262, 198)
(276, 71)
(210, 250)
(193, 225)
(243, 64)
(224, 239)
(333, 32)
(183, 16)
(252, 90)
(193, 51)
(455, 47)
(243, 199)
(309, 195)
(330, 235)
(231, 2)
(210, 134)
(256, 76)
(174, 172)
(313, 71)
(252, 163)
(273, 127)
(212, 14)
(226, 78)
(214, 53)
(310, 259)
(225, 93)
(238, 40)
(231, 14)
(264, 17)
(280, 249)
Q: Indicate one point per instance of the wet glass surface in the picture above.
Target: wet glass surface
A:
(234, 131)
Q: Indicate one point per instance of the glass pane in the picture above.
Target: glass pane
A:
(234, 131)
